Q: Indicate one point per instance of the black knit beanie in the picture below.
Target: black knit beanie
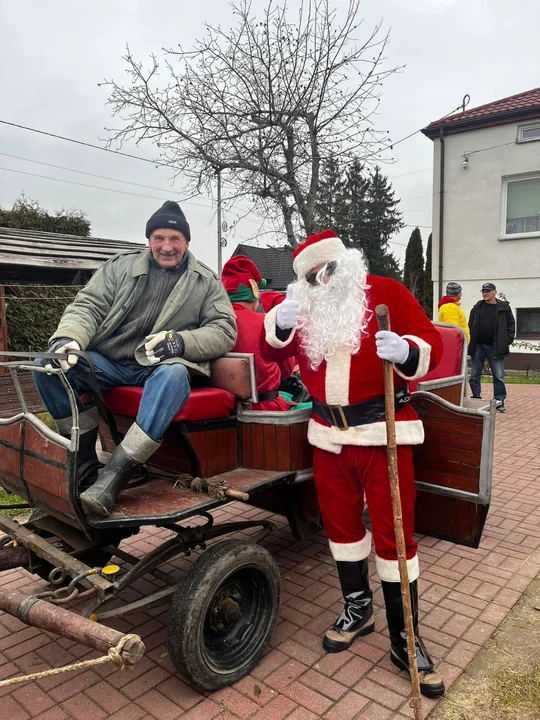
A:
(170, 216)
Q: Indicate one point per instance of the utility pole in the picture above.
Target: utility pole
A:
(3, 327)
(219, 238)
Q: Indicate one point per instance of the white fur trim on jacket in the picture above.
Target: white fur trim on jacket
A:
(270, 329)
(337, 377)
(317, 254)
(351, 552)
(408, 432)
(388, 570)
(423, 358)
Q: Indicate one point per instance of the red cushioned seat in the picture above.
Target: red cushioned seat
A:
(450, 364)
(203, 403)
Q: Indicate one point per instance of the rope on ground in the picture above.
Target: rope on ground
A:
(114, 656)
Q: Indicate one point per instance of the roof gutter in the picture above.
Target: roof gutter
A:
(441, 212)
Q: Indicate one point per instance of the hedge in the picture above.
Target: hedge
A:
(33, 314)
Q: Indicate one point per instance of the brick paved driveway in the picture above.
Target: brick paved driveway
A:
(465, 594)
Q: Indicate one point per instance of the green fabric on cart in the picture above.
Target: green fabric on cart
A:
(301, 406)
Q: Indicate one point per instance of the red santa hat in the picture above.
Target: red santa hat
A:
(316, 250)
(242, 279)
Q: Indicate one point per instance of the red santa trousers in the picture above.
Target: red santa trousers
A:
(342, 482)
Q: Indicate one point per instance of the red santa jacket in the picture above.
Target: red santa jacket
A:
(347, 379)
(250, 325)
(269, 299)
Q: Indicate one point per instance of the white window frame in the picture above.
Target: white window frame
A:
(527, 126)
(504, 201)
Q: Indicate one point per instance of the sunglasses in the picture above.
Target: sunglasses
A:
(326, 271)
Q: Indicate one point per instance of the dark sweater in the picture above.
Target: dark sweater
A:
(141, 318)
(486, 323)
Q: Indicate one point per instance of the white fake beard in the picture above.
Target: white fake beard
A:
(334, 316)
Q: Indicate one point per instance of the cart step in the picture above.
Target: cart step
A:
(159, 502)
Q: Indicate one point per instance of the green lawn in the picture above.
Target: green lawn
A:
(513, 380)
(6, 499)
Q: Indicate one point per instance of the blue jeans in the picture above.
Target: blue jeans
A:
(481, 353)
(166, 389)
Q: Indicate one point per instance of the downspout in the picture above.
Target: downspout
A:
(441, 212)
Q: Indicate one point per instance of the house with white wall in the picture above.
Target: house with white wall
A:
(486, 210)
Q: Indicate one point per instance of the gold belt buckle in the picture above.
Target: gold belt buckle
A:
(341, 415)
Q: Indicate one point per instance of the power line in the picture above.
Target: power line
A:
(414, 172)
(152, 162)
(90, 145)
(96, 187)
(83, 172)
(391, 145)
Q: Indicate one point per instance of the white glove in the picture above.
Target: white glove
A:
(288, 311)
(152, 344)
(392, 347)
(71, 359)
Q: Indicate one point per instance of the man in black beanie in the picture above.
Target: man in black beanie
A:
(149, 318)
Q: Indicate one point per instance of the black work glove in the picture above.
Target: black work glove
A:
(164, 345)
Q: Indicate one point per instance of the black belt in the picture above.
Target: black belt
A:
(345, 416)
(271, 395)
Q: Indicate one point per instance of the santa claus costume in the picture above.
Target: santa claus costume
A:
(328, 323)
(242, 280)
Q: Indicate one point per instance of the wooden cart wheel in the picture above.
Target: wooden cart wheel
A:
(223, 614)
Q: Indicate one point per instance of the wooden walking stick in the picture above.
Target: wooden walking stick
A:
(381, 312)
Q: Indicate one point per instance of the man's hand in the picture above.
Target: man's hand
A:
(164, 345)
(63, 345)
(288, 311)
(392, 347)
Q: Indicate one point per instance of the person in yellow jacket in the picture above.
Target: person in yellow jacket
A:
(450, 311)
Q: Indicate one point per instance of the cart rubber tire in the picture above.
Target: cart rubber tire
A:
(223, 614)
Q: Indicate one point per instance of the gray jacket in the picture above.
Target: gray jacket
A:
(198, 308)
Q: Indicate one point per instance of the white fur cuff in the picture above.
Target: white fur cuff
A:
(317, 254)
(270, 329)
(351, 552)
(423, 358)
(388, 570)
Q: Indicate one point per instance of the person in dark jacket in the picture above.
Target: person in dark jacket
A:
(493, 329)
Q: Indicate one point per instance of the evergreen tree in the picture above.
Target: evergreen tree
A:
(356, 190)
(26, 214)
(428, 282)
(383, 219)
(413, 271)
(330, 207)
(361, 208)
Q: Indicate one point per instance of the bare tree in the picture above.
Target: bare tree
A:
(267, 100)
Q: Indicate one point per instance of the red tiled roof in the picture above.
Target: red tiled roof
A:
(525, 103)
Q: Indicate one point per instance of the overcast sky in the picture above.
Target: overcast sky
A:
(53, 55)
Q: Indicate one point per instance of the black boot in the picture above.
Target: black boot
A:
(356, 618)
(126, 461)
(88, 464)
(431, 683)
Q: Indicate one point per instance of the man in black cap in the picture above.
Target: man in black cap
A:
(149, 318)
(493, 329)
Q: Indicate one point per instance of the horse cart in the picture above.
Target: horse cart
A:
(224, 609)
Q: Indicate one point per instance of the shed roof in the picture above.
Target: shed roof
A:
(55, 250)
(274, 264)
